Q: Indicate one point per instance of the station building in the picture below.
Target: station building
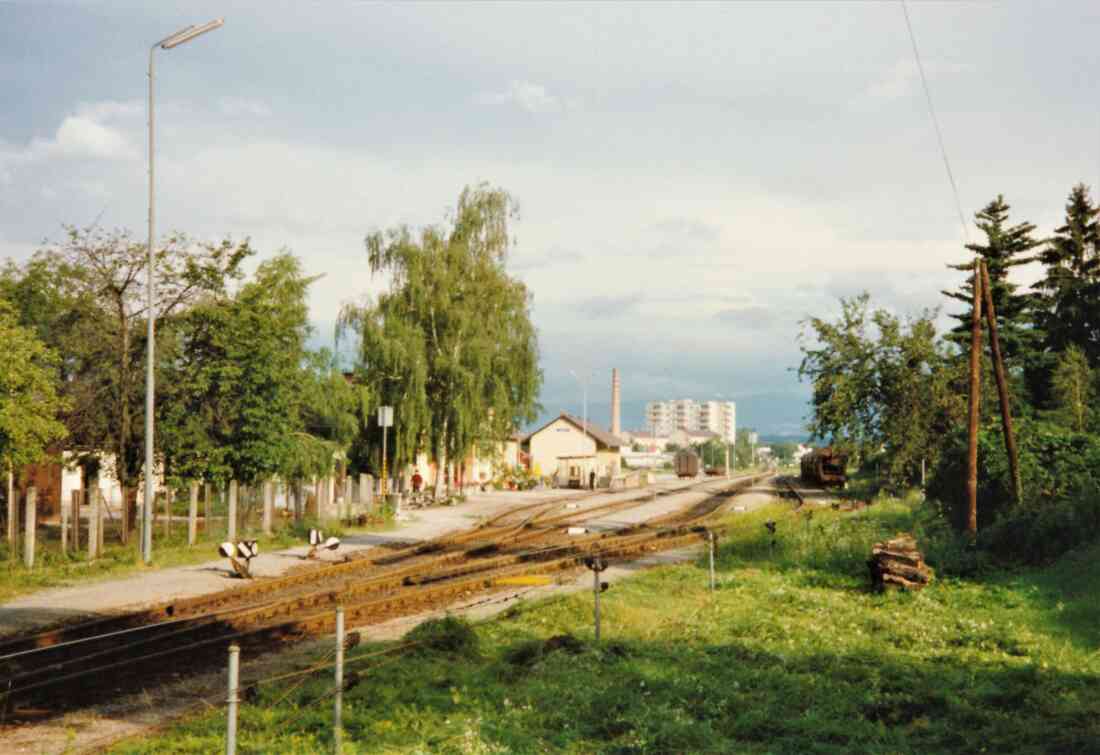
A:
(569, 449)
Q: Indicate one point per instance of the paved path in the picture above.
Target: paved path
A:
(157, 586)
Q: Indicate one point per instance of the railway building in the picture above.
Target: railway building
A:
(571, 449)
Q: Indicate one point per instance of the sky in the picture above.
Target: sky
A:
(693, 180)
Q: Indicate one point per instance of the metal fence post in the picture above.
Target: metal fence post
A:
(338, 703)
(29, 525)
(232, 700)
(711, 539)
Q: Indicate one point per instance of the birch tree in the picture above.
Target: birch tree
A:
(450, 345)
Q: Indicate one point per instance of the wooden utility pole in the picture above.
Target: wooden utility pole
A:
(975, 403)
(1002, 384)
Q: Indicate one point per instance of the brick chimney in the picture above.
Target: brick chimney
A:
(616, 416)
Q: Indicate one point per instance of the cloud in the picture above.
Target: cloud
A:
(236, 107)
(92, 132)
(534, 98)
(691, 229)
(554, 257)
(903, 78)
(749, 317)
(609, 306)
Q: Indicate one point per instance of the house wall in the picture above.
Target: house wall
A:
(559, 438)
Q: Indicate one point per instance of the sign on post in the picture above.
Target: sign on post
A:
(385, 416)
(385, 419)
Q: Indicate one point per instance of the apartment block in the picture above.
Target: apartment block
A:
(718, 417)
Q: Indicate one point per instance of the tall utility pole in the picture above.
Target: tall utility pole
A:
(1002, 385)
(181, 36)
(975, 407)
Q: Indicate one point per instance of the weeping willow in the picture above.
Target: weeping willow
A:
(450, 345)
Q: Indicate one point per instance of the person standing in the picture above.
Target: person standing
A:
(592, 480)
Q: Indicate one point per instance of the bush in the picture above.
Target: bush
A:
(1060, 476)
(450, 635)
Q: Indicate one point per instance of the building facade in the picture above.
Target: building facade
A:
(719, 417)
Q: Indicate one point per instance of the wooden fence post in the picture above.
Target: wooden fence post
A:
(206, 494)
(30, 521)
(169, 499)
(269, 505)
(101, 512)
(93, 529)
(13, 513)
(78, 499)
(231, 530)
(65, 512)
(193, 514)
(124, 535)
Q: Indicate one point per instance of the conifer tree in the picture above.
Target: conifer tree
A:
(1006, 246)
(1068, 300)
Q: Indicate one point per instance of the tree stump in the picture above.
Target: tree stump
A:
(897, 563)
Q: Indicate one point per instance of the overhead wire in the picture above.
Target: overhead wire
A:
(935, 122)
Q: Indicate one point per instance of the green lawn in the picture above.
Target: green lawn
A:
(792, 654)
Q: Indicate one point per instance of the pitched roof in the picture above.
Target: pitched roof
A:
(597, 433)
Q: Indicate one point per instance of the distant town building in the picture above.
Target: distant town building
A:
(719, 417)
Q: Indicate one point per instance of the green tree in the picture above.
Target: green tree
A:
(1068, 301)
(29, 394)
(450, 345)
(838, 358)
(1006, 246)
(882, 383)
(88, 293)
(1074, 388)
(238, 377)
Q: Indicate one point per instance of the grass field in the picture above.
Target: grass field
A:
(792, 654)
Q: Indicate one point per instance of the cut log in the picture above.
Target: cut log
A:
(897, 563)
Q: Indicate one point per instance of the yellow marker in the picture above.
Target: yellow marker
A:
(525, 580)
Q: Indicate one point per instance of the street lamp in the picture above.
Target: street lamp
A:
(173, 40)
(584, 386)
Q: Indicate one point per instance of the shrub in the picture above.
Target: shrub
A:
(450, 634)
(1060, 476)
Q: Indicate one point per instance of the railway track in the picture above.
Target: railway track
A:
(70, 665)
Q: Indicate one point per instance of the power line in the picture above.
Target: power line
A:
(935, 122)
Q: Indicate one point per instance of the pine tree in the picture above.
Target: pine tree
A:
(1067, 308)
(1006, 246)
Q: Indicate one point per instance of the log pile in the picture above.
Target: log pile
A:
(897, 563)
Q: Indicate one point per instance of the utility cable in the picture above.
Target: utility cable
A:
(935, 122)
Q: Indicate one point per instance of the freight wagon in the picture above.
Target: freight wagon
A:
(687, 464)
(825, 467)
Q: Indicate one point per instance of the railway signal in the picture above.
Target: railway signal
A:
(318, 542)
(240, 556)
(597, 565)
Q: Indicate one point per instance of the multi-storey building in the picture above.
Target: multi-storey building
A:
(716, 416)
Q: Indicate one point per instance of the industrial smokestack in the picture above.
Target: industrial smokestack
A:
(616, 416)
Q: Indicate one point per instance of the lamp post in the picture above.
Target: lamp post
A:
(584, 387)
(173, 40)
